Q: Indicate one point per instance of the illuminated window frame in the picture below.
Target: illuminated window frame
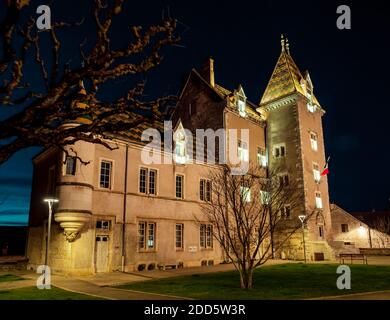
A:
(318, 199)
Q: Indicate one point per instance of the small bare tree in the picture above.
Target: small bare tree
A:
(245, 212)
(382, 224)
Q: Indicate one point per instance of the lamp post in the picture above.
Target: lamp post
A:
(49, 202)
(302, 218)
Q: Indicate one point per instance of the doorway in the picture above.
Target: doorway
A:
(101, 253)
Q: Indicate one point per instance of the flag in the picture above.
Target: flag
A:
(326, 169)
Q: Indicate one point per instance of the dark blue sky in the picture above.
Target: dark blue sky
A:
(349, 69)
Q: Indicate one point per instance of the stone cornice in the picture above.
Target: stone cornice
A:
(287, 100)
(78, 184)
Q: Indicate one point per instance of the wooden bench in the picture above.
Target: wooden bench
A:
(352, 256)
(164, 266)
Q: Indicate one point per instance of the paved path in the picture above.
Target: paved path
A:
(376, 295)
(17, 284)
(85, 287)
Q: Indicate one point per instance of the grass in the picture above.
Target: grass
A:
(9, 277)
(286, 281)
(33, 293)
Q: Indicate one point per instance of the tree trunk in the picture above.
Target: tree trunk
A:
(246, 279)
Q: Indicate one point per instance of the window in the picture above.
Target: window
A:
(205, 190)
(261, 157)
(141, 235)
(206, 236)
(209, 236)
(344, 227)
(241, 106)
(70, 165)
(316, 172)
(285, 212)
(105, 174)
(179, 235)
(284, 180)
(313, 141)
(318, 200)
(146, 235)
(245, 193)
(321, 231)
(264, 197)
(142, 180)
(103, 224)
(148, 181)
(152, 181)
(279, 151)
(243, 153)
(180, 148)
(151, 235)
(311, 107)
(179, 186)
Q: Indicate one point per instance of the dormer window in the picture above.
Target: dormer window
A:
(241, 101)
(308, 89)
(180, 148)
(311, 107)
(241, 106)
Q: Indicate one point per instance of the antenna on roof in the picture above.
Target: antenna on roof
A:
(282, 43)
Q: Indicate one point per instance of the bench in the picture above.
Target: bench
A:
(164, 266)
(352, 256)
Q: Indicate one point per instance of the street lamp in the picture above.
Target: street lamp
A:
(50, 202)
(302, 218)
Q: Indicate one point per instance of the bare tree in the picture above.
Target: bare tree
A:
(382, 224)
(245, 211)
(39, 115)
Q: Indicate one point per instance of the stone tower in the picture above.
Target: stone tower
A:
(295, 146)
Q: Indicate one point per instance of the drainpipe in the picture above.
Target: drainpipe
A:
(369, 236)
(124, 211)
(226, 254)
(270, 206)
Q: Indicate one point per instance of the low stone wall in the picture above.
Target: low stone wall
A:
(13, 263)
(375, 251)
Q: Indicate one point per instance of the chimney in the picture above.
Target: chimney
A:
(208, 71)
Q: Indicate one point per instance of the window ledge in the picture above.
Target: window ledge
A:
(147, 251)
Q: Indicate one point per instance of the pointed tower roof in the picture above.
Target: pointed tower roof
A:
(82, 94)
(286, 78)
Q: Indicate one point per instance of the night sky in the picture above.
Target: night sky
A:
(349, 68)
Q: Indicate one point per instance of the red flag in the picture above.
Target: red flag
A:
(326, 169)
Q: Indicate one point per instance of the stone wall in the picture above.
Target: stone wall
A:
(356, 235)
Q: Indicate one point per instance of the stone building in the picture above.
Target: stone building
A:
(351, 232)
(117, 213)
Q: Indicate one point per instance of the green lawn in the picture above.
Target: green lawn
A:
(287, 281)
(9, 277)
(33, 293)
